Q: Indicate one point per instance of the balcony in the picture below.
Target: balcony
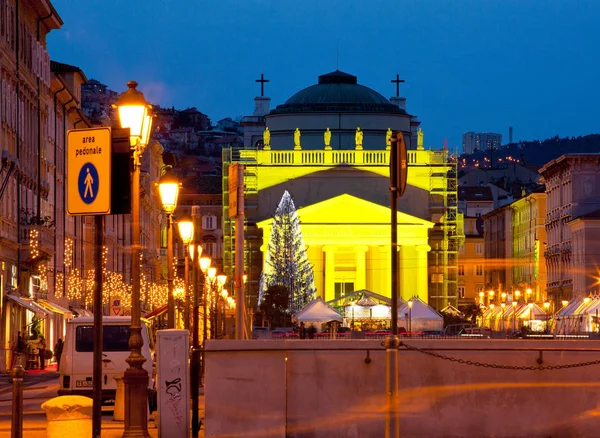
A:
(37, 243)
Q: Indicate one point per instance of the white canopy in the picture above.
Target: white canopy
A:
(317, 311)
(421, 316)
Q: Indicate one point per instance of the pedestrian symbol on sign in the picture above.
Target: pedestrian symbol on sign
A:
(88, 183)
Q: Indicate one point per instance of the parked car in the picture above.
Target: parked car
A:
(341, 332)
(259, 332)
(476, 332)
(433, 333)
(278, 334)
(411, 334)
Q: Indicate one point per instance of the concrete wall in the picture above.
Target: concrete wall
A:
(317, 389)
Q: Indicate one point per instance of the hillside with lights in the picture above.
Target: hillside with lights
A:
(530, 153)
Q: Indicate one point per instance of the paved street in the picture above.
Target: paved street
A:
(37, 389)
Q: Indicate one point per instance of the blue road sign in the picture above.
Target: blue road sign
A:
(88, 183)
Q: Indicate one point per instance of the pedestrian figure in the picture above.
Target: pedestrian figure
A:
(42, 352)
(88, 184)
(58, 348)
(311, 331)
(302, 331)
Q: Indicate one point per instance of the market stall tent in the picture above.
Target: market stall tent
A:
(420, 317)
(318, 311)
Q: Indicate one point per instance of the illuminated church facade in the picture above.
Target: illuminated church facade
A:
(327, 146)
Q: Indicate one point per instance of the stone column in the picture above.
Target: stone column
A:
(408, 286)
(422, 274)
(385, 280)
(361, 267)
(329, 292)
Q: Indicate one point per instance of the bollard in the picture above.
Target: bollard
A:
(69, 415)
(119, 411)
(16, 429)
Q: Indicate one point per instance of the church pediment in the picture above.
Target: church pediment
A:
(348, 209)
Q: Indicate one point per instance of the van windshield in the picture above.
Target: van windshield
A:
(115, 338)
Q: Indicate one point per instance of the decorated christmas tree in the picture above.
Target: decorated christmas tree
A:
(286, 263)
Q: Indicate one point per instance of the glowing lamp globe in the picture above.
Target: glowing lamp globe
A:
(204, 263)
(168, 187)
(134, 113)
(186, 230)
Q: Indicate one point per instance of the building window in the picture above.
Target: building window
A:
(13, 276)
(479, 248)
(479, 270)
(209, 222)
(461, 269)
(210, 249)
(343, 289)
(461, 291)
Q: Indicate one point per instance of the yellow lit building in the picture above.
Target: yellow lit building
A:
(528, 237)
(339, 181)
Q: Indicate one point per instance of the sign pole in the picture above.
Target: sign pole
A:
(97, 374)
(398, 177)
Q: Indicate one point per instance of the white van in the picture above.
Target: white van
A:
(77, 360)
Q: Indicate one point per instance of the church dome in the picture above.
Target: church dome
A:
(337, 92)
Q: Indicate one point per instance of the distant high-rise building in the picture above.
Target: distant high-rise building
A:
(480, 141)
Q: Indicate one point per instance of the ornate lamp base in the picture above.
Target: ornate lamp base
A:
(136, 403)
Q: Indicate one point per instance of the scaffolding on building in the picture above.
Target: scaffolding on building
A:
(252, 257)
(448, 232)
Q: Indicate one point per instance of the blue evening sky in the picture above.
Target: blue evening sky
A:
(469, 65)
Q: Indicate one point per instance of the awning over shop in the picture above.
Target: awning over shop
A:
(29, 305)
(82, 312)
(53, 307)
(156, 312)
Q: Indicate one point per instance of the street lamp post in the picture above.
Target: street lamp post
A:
(134, 114)
(221, 280)
(195, 368)
(410, 304)
(530, 316)
(514, 305)
(186, 233)
(212, 277)
(547, 308)
(204, 265)
(168, 187)
(224, 300)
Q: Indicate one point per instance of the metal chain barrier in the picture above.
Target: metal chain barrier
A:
(500, 366)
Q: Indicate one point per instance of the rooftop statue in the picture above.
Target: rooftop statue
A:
(267, 138)
(297, 138)
(388, 138)
(327, 138)
(420, 139)
(358, 138)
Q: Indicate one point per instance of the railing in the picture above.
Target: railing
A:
(337, 157)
